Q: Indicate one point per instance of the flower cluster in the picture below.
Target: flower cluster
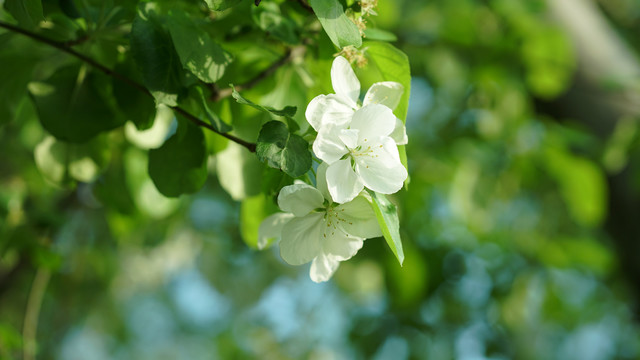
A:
(358, 144)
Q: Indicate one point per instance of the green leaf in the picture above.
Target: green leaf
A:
(153, 52)
(214, 119)
(15, 72)
(252, 211)
(287, 111)
(269, 18)
(379, 34)
(61, 162)
(179, 166)
(219, 5)
(134, 104)
(70, 106)
(28, 12)
(387, 215)
(113, 191)
(385, 62)
(388, 63)
(239, 172)
(283, 150)
(341, 30)
(582, 185)
(197, 51)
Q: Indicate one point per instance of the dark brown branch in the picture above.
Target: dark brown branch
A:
(219, 94)
(62, 47)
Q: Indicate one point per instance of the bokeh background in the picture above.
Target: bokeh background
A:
(521, 224)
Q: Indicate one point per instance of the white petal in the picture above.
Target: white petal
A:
(322, 268)
(321, 181)
(339, 244)
(270, 229)
(329, 109)
(328, 147)
(344, 80)
(342, 181)
(349, 137)
(373, 121)
(380, 169)
(358, 218)
(301, 239)
(399, 134)
(387, 93)
(299, 199)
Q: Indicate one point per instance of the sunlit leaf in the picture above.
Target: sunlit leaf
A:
(197, 51)
(340, 29)
(156, 58)
(387, 215)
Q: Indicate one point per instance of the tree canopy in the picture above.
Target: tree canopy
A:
(168, 169)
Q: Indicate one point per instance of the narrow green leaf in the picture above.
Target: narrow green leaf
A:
(179, 166)
(287, 111)
(387, 215)
(70, 106)
(214, 119)
(341, 30)
(197, 51)
(379, 34)
(153, 52)
(28, 12)
(283, 150)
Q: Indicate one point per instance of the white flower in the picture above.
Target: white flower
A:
(316, 229)
(338, 108)
(361, 153)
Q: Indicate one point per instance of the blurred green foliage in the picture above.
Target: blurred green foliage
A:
(503, 224)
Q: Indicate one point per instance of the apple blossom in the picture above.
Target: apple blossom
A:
(360, 153)
(338, 108)
(314, 228)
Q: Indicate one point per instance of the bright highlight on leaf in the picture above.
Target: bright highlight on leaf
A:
(387, 215)
(342, 31)
(197, 51)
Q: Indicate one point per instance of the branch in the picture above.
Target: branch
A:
(64, 48)
(218, 94)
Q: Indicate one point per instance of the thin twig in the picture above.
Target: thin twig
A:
(32, 313)
(62, 47)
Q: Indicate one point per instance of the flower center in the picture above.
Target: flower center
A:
(334, 220)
